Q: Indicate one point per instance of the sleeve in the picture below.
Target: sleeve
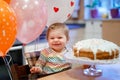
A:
(41, 60)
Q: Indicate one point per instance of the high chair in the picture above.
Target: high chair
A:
(21, 72)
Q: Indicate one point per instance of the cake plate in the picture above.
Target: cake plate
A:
(92, 70)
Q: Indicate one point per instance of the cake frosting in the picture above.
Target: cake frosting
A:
(96, 44)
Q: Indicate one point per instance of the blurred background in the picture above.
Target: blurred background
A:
(90, 19)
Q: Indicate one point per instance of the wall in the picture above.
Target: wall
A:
(111, 30)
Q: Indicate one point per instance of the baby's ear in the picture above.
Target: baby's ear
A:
(67, 41)
(68, 38)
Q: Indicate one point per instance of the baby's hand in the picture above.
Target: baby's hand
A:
(35, 70)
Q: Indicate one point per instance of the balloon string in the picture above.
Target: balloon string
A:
(8, 66)
(24, 45)
(23, 49)
(9, 57)
(36, 44)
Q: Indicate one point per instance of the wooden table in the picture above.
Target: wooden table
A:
(109, 72)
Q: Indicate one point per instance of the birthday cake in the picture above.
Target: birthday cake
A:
(96, 49)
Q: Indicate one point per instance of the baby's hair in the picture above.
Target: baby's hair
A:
(56, 26)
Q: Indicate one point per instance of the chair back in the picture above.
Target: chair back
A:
(32, 57)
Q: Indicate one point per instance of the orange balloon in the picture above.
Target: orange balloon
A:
(7, 27)
(8, 1)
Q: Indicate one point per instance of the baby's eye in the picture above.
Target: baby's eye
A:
(51, 38)
(59, 37)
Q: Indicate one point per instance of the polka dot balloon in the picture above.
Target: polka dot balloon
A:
(7, 27)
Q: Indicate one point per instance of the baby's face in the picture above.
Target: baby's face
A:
(57, 40)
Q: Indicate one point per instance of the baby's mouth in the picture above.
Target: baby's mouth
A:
(56, 44)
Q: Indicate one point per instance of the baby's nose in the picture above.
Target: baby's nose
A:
(55, 39)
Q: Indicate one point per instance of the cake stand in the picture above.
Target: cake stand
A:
(92, 70)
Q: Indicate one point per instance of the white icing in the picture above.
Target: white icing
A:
(96, 44)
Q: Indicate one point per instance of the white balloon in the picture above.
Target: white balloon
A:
(59, 10)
